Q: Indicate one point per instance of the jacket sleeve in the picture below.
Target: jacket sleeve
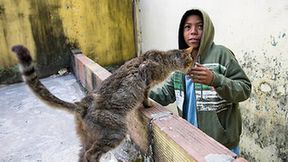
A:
(164, 94)
(233, 85)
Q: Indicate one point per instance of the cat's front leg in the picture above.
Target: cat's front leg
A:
(147, 103)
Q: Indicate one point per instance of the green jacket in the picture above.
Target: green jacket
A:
(217, 105)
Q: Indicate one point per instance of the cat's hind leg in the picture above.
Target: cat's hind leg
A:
(81, 155)
(104, 144)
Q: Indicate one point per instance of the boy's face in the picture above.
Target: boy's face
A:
(193, 29)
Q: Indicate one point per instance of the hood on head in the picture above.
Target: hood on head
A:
(208, 30)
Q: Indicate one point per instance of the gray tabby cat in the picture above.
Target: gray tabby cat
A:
(101, 115)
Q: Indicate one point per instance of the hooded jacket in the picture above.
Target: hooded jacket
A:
(218, 113)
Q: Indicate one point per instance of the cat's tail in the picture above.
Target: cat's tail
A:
(29, 75)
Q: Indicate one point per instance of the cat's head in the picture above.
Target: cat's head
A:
(182, 59)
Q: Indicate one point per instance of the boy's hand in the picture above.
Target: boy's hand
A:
(201, 74)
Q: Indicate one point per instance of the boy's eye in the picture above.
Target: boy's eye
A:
(200, 26)
(187, 27)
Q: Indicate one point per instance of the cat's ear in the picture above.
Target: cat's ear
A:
(143, 71)
(147, 70)
(189, 50)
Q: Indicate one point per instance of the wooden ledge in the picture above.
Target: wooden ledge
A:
(174, 138)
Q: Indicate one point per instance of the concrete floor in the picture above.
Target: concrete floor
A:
(33, 132)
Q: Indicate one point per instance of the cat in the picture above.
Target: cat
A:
(101, 115)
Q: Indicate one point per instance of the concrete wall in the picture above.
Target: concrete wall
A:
(257, 32)
(102, 29)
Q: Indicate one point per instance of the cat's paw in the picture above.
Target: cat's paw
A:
(147, 103)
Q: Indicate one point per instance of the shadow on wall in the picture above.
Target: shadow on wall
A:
(42, 19)
(52, 51)
(49, 28)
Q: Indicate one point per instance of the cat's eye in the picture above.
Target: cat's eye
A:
(179, 54)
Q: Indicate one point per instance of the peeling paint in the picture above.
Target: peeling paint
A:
(103, 30)
(218, 158)
(273, 42)
(265, 87)
(265, 113)
(2, 10)
(274, 136)
(277, 38)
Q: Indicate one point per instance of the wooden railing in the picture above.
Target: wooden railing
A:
(175, 140)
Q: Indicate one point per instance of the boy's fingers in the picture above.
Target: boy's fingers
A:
(199, 65)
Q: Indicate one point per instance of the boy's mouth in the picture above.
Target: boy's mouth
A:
(194, 40)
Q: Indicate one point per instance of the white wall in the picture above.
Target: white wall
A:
(233, 20)
(257, 32)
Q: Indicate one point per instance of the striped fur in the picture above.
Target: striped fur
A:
(29, 75)
(101, 115)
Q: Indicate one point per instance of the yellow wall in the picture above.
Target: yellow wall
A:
(102, 29)
(15, 28)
